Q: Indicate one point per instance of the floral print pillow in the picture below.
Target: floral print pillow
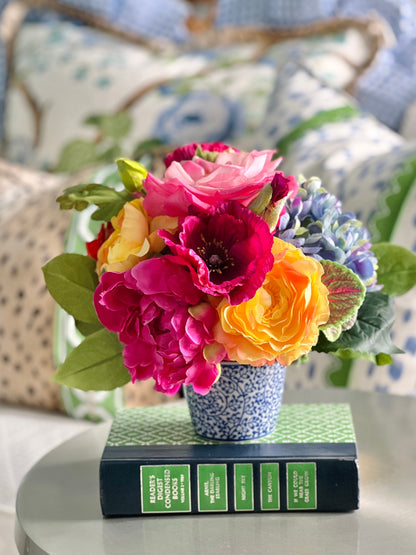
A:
(80, 97)
(67, 109)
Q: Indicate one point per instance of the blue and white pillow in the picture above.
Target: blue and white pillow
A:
(273, 13)
(373, 171)
(387, 88)
(321, 131)
(395, 221)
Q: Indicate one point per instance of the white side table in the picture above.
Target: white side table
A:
(58, 509)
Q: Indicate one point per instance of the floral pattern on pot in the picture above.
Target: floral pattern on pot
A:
(243, 404)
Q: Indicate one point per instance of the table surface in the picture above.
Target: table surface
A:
(58, 509)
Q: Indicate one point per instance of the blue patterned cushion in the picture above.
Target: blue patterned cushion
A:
(400, 14)
(389, 86)
(394, 221)
(323, 133)
(273, 13)
(373, 171)
(388, 89)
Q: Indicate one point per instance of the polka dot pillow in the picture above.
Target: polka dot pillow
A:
(33, 230)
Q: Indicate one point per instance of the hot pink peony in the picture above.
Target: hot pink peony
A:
(228, 250)
(159, 316)
(201, 183)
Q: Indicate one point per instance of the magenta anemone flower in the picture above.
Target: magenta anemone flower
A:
(228, 250)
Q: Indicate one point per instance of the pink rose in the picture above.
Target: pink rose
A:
(159, 316)
(201, 183)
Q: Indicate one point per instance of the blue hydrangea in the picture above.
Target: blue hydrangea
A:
(314, 222)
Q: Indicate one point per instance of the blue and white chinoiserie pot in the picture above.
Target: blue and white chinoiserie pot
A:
(243, 404)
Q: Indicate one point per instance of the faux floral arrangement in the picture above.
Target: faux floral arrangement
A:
(224, 258)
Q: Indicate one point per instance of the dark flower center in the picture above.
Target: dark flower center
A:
(215, 255)
(214, 261)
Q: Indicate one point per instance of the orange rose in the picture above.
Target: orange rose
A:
(134, 238)
(281, 322)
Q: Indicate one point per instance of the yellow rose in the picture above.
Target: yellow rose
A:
(281, 322)
(134, 238)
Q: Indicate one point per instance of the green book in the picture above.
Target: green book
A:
(155, 464)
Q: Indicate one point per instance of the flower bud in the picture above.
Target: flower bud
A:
(262, 200)
(132, 174)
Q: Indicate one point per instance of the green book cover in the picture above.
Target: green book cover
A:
(154, 463)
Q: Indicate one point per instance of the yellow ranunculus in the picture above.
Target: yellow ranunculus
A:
(134, 238)
(281, 321)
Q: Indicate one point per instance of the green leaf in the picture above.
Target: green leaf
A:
(111, 153)
(105, 213)
(87, 328)
(208, 155)
(259, 204)
(346, 295)
(81, 196)
(349, 355)
(76, 155)
(71, 280)
(339, 374)
(380, 359)
(132, 174)
(391, 202)
(333, 332)
(383, 358)
(318, 120)
(115, 126)
(370, 335)
(146, 147)
(96, 364)
(396, 268)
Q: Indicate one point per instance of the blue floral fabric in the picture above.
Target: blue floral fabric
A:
(386, 90)
(364, 164)
(191, 119)
(124, 99)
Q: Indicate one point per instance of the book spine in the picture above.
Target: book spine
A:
(132, 487)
